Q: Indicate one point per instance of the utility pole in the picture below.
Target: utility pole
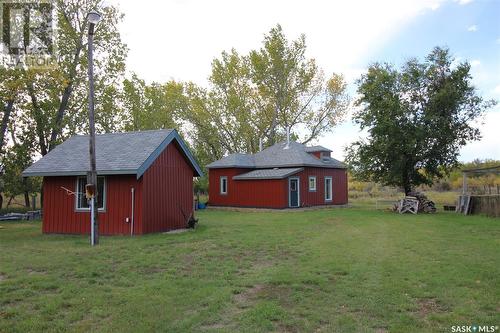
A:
(93, 18)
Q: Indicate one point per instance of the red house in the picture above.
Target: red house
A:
(281, 176)
(145, 183)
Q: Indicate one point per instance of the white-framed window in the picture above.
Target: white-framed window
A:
(81, 200)
(328, 188)
(223, 185)
(312, 183)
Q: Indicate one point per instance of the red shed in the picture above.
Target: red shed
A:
(281, 176)
(145, 183)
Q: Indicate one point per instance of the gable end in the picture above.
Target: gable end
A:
(154, 155)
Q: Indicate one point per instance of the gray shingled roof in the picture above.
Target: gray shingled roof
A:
(268, 174)
(116, 153)
(277, 156)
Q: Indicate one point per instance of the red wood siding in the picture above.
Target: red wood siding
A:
(273, 193)
(168, 191)
(269, 193)
(59, 209)
(316, 154)
(320, 154)
(339, 186)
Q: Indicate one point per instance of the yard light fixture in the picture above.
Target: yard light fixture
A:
(93, 18)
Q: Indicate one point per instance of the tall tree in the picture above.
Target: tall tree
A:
(294, 90)
(10, 82)
(417, 118)
(58, 95)
(152, 106)
(225, 117)
(16, 158)
(260, 96)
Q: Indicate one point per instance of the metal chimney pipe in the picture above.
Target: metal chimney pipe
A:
(287, 138)
(260, 144)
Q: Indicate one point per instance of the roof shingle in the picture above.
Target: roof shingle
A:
(116, 153)
(268, 174)
(278, 156)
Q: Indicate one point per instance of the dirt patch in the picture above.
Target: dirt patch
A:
(213, 326)
(3, 277)
(256, 265)
(32, 271)
(427, 306)
(287, 329)
(243, 299)
(153, 270)
(381, 329)
(263, 264)
(249, 296)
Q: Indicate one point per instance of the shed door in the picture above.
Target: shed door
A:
(293, 189)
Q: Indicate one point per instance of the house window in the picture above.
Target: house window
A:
(223, 185)
(328, 188)
(312, 184)
(81, 200)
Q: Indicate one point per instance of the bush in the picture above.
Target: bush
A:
(21, 210)
(442, 186)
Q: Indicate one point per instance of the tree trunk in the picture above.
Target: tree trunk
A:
(38, 119)
(272, 132)
(7, 110)
(26, 194)
(1, 201)
(27, 199)
(407, 188)
(56, 129)
(10, 201)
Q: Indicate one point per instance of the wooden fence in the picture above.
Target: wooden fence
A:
(486, 204)
(479, 204)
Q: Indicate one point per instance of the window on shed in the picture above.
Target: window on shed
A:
(328, 188)
(312, 183)
(223, 185)
(81, 199)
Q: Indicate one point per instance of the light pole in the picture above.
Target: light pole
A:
(93, 18)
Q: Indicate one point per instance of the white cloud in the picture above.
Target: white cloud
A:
(472, 28)
(435, 5)
(179, 39)
(496, 90)
(475, 63)
(488, 146)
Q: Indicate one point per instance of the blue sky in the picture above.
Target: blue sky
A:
(178, 39)
(472, 33)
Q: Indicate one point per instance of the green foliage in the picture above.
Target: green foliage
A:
(417, 119)
(16, 159)
(43, 106)
(151, 106)
(201, 184)
(260, 95)
(293, 89)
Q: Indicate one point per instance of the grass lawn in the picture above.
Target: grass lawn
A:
(339, 270)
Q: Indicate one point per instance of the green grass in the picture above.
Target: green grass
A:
(331, 270)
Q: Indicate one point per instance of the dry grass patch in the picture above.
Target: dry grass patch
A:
(429, 306)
